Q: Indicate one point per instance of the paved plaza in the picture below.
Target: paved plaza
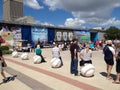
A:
(32, 76)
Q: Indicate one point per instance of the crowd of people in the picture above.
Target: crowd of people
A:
(111, 50)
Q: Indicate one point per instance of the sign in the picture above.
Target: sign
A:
(58, 34)
(70, 35)
(82, 35)
(39, 32)
(65, 36)
(17, 34)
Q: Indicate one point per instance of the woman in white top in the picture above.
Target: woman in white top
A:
(85, 55)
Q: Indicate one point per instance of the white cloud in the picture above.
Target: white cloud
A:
(43, 23)
(111, 22)
(33, 4)
(91, 11)
(37, 22)
(74, 22)
(53, 4)
(47, 24)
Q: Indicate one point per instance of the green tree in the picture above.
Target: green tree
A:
(112, 33)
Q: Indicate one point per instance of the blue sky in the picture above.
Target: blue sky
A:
(75, 13)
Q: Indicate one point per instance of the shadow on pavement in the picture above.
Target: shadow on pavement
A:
(105, 75)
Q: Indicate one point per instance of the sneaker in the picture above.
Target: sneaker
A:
(78, 74)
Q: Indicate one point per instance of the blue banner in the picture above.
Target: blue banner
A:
(39, 32)
(26, 33)
(51, 33)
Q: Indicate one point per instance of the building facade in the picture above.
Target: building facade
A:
(12, 9)
(31, 33)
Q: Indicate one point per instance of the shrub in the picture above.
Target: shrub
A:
(7, 52)
(4, 48)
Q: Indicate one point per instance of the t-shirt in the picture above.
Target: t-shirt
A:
(72, 48)
(108, 52)
(38, 51)
(86, 55)
(91, 45)
(56, 52)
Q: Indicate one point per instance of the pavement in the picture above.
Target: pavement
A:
(41, 76)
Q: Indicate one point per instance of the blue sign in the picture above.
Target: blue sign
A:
(39, 32)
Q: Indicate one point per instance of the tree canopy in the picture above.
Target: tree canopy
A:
(112, 33)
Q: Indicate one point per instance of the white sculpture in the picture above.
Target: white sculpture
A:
(15, 54)
(55, 63)
(37, 59)
(88, 70)
(24, 56)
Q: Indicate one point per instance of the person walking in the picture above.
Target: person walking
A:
(2, 65)
(38, 51)
(74, 57)
(117, 55)
(56, 53)
(109, 53)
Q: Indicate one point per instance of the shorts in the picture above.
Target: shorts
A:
(118, 66)
(109, 62)
(1, 68)
(82, 62)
